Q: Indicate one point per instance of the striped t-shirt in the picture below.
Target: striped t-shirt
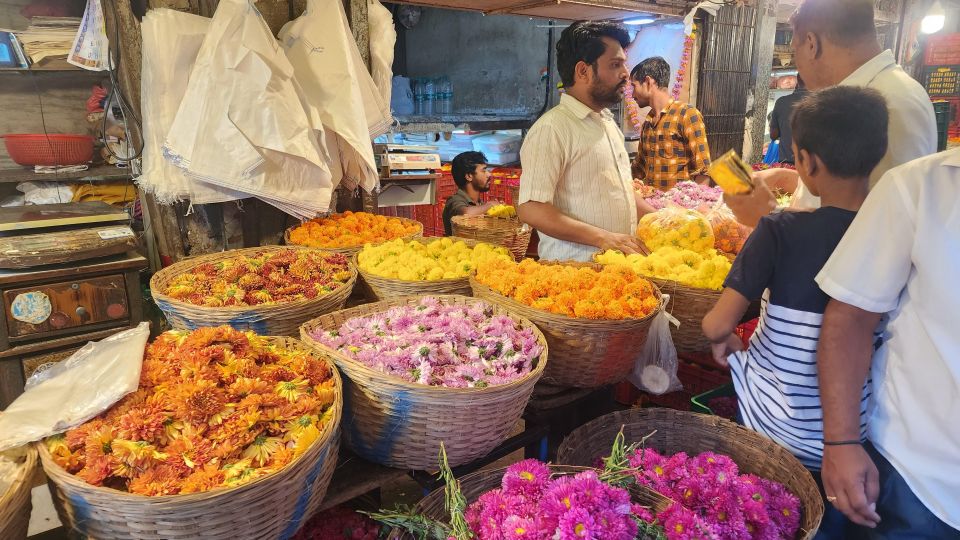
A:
(776, 377)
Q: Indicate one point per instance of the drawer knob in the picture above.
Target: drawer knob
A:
(81, 311)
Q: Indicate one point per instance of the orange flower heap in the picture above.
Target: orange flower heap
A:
(215, 407)
(614, 293)
(269, 278)
(351, 229)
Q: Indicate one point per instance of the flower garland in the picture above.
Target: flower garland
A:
(439, 345)
(633, 110)
(215, 407)
(684, 63)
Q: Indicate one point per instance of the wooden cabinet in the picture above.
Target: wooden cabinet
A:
(67, 305)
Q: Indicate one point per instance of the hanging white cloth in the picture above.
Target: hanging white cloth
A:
(339, 89)
(383, 40)
(243, 123)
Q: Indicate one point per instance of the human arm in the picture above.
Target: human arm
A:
(467, 210)
(547, 219)
(719, 323)
(843, 361)
(643, 207)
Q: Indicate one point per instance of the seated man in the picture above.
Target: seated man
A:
(472, 178)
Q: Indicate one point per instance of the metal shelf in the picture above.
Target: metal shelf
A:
(98, 173)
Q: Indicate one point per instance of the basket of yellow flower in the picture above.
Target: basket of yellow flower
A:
(16, 483)
(230, 435)
(500, 231)
(271, 290)
(348, 232)
(419, 267)
(595, 319)
(694, 281)
(425, 370)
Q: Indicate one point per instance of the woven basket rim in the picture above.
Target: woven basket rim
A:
(348, 364)
(59, 475)
(186, 264)
(417, 234)
(664, 281)
(22, 476)
(471, 221)
(465, 280)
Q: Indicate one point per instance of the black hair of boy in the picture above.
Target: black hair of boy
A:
(582, 41)
(845, 126)
(656, 68)
(464, 164)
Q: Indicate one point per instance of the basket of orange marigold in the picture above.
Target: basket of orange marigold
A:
(229, 435)
(348, 232)
(595, 319)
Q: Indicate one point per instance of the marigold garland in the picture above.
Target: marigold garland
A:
(614, 293)
(269, 278)
(432, 261)
(216, 407)
(351, 229)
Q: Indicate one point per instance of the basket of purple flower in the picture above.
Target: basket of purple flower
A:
(726, 480)
(425, 370)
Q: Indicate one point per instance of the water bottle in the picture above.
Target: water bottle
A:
(418, 96)
(446, 95)
(429, 95)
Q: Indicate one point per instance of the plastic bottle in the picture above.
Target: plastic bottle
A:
(429, 96)
(418, 96)
(446, 93)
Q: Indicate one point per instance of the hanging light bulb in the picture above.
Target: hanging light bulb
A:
(934, 20)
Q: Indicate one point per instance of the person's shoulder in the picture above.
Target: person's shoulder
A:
(924, 170)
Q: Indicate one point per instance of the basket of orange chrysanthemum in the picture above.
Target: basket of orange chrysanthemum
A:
(348, 232)
(595, 319)
(229, 435)
(271, 290)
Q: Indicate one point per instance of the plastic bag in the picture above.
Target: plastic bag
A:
(655, 370)
(77, 389)
(678, 227)
(728, 233)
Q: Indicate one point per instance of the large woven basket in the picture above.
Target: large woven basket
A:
(473, 485)
(386, 288)
(509, 233)
(679, 431)
(688, 305)
(353, 250)
(271, 507)
(401, 424)
(584, 353)
(282, 319)
(15, 504)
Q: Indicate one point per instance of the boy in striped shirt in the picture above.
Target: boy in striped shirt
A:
(840, 134)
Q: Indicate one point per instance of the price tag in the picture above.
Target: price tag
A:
(115, 232)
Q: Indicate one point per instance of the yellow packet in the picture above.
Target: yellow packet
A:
(731, 174)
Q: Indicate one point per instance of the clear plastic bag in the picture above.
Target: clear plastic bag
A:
(729, 235)
(77, 389)
(678, 227)
(655, 370)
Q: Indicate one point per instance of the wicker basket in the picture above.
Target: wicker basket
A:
(274, 506)
(351, 251)
(509, 233)
(688, 305)
(385, 288)
(15, 504)
(473, 485)
(400, 424)
(270, 320)
(678, 431)
(584, 353)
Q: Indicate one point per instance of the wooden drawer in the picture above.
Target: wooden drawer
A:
(61, 306)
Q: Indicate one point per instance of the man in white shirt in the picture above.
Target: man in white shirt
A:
(576, 188)
(835, 43)
(900, 256)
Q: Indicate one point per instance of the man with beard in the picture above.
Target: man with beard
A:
(470, 173)
(673, 141)
(576, 188)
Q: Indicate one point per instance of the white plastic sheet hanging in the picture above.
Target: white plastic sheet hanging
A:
(383, 41)
(338, 87)
(243, 123)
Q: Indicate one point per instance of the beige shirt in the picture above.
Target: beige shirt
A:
(575, 159)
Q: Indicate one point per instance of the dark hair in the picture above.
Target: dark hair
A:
(656, 68)
(464, 164)
(845, 126)
(843, 22)
(583, 41)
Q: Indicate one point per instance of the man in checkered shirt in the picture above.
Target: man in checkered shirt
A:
(673, 143)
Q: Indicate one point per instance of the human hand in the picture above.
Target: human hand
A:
(785, 180)
(749, 208)
(624, 243)
(725, 348)
(852, 483)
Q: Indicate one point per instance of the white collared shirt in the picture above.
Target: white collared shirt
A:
(575, 159)
(912, 131)
(901, 255)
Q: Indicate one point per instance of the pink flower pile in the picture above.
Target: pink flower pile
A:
(530, 505)
(689, 195)
(439, 345)
(714, 501)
